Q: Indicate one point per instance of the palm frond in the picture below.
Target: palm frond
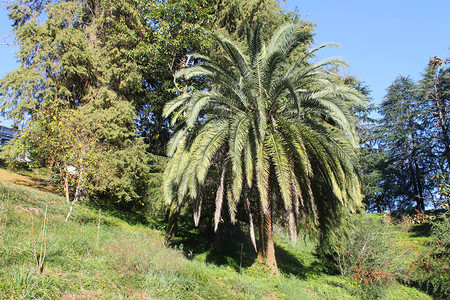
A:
(262, 173)
(197, 102)
(234, 54)
(288, 37)
(212, 142)
(239, 130)
(250, 221)
(249, 154)
(276, 148)
(219, 198)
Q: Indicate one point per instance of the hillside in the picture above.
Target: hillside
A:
(96, 255)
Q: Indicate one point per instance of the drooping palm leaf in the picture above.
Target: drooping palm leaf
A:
(280, 125)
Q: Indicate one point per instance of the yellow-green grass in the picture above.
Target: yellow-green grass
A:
(96, 255)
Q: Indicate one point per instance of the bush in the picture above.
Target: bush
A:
(364, 253)
(405, 224)
(432, 270)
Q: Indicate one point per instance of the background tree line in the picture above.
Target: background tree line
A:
(405, 154)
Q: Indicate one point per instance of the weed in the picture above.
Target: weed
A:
(405, 224)
(42, 240)
(27, 285)
(3, 214)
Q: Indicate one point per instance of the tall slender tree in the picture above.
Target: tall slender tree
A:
(435, 86)
(283, 130)
(404, 138)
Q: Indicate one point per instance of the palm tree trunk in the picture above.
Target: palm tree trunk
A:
(262, 236)
(172, 224)
(266, 251)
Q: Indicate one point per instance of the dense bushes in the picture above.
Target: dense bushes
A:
(432, 270)
(364, 252)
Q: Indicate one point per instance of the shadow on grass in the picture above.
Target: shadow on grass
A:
(421, 230)
(290, 264)
(120, 211)
(238, 252)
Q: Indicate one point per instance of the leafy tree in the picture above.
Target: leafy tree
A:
(281, 133)
(174, 29)
(177, 29)
(233, 16)
(76, 62)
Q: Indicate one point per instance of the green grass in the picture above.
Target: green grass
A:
(121, 259)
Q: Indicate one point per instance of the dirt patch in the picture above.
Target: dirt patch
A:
(10, 177)
(86, 296)
(6, 176)
(33, 210)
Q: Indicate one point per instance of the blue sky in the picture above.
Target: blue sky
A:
(380, 39)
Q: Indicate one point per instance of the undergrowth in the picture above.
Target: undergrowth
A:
(97, 255)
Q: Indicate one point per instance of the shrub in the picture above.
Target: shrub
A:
(405, 224)
(364, 253)
(432, 270)
(421, 218)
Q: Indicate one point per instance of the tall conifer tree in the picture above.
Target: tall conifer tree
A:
(75, 56)
(404, 137)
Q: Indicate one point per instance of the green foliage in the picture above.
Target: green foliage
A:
(77, 84)
(432, 269)
(263, 129)
(405, 175)
(177, 29)
(435, 88)
(106, 257)
(365, 253)
(233, 16)
(411, 142)
(442, 181)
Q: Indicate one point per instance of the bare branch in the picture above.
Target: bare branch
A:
(2, 43)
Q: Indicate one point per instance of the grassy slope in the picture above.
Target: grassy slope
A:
(98, 256)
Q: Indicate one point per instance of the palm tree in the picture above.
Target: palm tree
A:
(275, 126)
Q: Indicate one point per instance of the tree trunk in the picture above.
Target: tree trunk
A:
(415, 171)
(442, 118)
(266, 251)
(77, 194)
(218, 237)
(421, 202)
(172, 224)
(66, 187)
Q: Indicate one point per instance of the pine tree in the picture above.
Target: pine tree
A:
(435, 86)
(76, 61)
(404, 138)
